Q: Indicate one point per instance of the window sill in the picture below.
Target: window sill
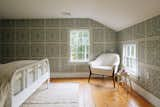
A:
(78, 61)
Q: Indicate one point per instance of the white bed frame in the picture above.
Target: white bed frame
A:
(27, 80)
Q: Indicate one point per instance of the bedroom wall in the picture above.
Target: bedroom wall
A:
(147, 37)
(0, 46)
(40, 38)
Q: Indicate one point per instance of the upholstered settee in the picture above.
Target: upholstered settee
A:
(105, 64)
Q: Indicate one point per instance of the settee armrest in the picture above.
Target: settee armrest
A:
(115, 68)
(94, 63)
(91, 63)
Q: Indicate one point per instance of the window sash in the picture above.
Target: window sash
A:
(129, 58)
(79, 45)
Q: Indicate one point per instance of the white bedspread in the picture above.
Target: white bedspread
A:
(6, 73)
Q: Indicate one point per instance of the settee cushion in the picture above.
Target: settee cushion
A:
(104, 70)
(107, 68)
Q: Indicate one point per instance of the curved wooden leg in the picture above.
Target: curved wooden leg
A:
(113, 81)
(89, 76)
(90, 73)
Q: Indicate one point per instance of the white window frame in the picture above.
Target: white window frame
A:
(130, 61)
(80, 30)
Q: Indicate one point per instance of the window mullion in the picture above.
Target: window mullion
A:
(77, 46)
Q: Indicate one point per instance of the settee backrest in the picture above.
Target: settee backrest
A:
(108, 59)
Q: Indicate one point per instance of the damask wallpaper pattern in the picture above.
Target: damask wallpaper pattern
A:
(40, 38)
(147, 37)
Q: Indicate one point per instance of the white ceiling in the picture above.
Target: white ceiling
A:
(116, 14)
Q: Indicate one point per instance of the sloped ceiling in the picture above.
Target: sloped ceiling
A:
(116, 14)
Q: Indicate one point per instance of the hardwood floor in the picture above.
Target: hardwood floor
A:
(105, 95)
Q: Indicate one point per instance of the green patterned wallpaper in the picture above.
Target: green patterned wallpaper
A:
(40, 38)
(147, 37)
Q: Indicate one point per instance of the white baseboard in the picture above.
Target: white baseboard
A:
(70, 75)
(148, 96)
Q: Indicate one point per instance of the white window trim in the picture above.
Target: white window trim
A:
(132, 72)
(79, 61)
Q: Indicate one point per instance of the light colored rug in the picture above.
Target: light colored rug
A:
(61, 95)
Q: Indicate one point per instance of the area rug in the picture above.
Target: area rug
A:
(61, 95)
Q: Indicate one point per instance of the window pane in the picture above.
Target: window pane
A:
(129, 57)
(128, 51)
(127, 62)
(132, 51)
(79, 44)
(131, 64)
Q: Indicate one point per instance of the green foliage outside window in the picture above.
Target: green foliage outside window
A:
(79, 45)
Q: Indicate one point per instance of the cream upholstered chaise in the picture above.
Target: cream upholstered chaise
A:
(106, 64)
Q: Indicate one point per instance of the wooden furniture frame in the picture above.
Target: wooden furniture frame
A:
(113, 75)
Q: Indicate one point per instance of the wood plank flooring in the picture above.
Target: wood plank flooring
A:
(104, 95)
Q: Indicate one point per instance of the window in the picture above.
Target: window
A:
(130, 58)
(79, 45)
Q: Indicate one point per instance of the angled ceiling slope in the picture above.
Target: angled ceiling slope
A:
(116, 14)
